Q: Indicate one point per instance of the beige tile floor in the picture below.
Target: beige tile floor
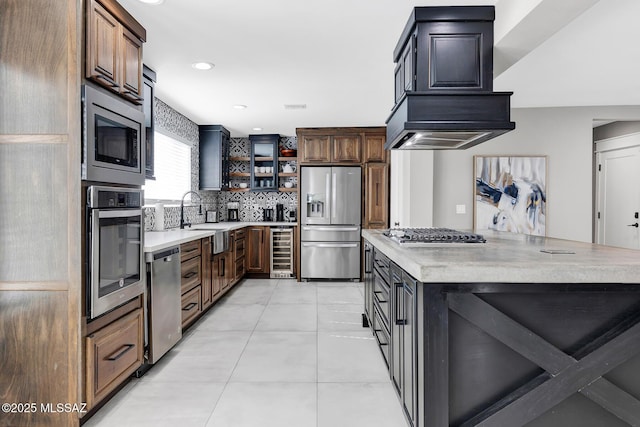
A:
(270, 353)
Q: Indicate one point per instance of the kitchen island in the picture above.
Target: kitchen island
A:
(504, 334)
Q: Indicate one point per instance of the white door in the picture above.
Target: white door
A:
(618, 197)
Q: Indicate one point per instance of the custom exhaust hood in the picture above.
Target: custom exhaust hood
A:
(444, 95)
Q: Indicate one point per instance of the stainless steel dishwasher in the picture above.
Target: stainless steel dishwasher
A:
(164, 300)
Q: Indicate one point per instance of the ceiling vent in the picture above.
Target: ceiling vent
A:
(295, 106)
(444, 95)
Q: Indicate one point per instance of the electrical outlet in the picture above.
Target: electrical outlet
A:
(461, 209)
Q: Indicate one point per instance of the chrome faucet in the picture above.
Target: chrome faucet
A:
(182, 222)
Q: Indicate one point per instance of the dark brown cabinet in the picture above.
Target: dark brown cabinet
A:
(239, 255)
(191, 280)
(149, 79)
(376, 195)
(330, 147)
(347, 148)
(257, 258)
(113, 353)
(114, 49)
(207, 294)
(314, 148)
(374, 148)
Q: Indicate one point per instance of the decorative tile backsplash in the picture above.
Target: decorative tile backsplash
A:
(252, 203)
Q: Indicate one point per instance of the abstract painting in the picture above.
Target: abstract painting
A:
(510, 194)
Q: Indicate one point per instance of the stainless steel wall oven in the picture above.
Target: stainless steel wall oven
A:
(113, 135)
(115, 262)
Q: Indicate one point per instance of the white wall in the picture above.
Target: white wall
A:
(565, 135)
(411, 188)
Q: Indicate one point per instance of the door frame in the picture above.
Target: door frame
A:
(620, 142)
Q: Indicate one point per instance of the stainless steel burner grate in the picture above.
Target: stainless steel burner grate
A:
(428, 236)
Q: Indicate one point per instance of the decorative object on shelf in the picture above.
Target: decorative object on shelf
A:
(288, 184)
(288, 168)
(243, 185)
(510, 194)
(287, 152)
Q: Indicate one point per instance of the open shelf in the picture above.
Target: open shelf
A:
(239, 159)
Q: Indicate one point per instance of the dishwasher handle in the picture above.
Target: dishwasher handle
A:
(161, 255)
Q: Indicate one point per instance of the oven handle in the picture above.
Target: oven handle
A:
(120, 213)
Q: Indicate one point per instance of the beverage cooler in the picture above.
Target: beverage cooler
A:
(281, 252)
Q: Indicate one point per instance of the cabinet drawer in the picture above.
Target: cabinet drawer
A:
(240, 267)
(113, 353)
(190, 249)
(381, 264)
(381, 334)
(239, 249)
(191, 305)
(240, 234)
(190, 273)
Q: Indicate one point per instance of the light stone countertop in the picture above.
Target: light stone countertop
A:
(157, 240)
(513, 258)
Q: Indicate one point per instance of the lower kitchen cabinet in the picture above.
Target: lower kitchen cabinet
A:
(390, 309)
(403, 340)
(257, 258)
(239, 255)
(191, 281)
(113, 353)
(191, 305)
(206, 285)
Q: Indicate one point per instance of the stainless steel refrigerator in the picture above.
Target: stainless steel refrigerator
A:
(330, 216)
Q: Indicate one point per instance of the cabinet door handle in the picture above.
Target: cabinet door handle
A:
(190, 274)
(189, 306)
(367, 260)
(123, 350)
(109, 80)
(399, 322)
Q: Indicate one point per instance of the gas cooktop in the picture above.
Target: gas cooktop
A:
(432, 237)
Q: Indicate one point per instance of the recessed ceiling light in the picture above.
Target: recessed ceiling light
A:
(202, 65)
(154, 2)
(258, 129)
(239, 107)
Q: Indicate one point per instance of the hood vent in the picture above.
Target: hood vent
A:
(444, 81)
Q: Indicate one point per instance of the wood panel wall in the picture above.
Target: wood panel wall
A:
(40, 208)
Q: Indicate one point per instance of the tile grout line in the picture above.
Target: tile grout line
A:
(239, 356)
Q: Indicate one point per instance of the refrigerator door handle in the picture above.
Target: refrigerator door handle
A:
(329, 245)
(334, 195)
(327, 185)
(313, 228)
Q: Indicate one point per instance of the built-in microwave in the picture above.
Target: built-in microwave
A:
(112, 139)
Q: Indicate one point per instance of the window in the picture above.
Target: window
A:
(172, 170)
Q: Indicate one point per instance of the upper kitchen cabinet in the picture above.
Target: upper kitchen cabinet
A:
(214, 157)
(264, 161)
(114, 49)
(445, 48)
(314, 148)
(329, 145)
(147, 107)
(374, 147)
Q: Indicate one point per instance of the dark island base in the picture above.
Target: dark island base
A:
(512, 355)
